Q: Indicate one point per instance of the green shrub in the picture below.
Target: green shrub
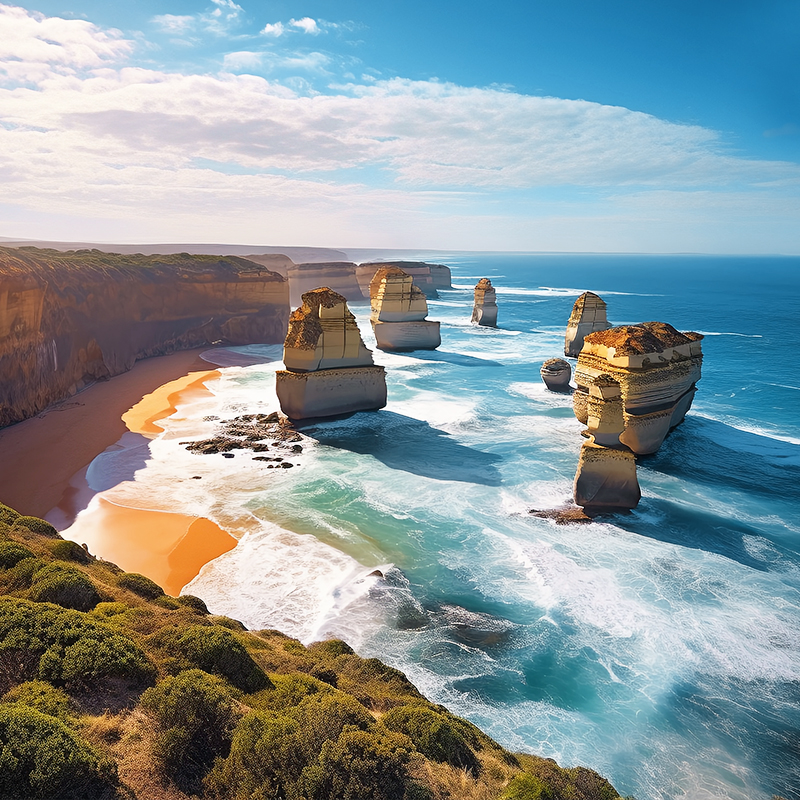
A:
(65, 586)
(165, 601)
(109, 610)
(63, 646)
(67, 550)
(218, 651)
(11, 553)
(324, 716)
(195, 603)
(266, 760)
(41, 696)
(139, 584)
(361, 765)
(331, 648)
(286, 691)
(433, 734)
(227, 622)
(36, 525)
(42, 759)
(195, 714)
(8, 515)
(21, 575)
(527, 787)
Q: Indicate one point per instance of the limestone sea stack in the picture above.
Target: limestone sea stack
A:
(556, 373)
(606, 475)
(340, 276)
(398, 314)
(484, 311)
(657, 368)
(427, 277)
(328, 371)
(588, 315)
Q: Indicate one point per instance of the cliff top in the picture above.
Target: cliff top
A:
(484, 283)
(404, 265)
(26, 262)
(641, 339)
(590, 299)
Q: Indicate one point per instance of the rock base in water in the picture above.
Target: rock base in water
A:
(414, 335)
(570, 515)
(330, 392)
(556, 373)
(606, 479)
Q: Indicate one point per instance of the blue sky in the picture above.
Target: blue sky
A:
(615, 126)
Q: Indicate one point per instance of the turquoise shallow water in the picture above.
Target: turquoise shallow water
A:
(662, 647)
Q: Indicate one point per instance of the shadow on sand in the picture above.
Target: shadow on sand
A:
(406, 444)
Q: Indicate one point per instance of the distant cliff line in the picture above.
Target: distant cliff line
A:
(68, 319)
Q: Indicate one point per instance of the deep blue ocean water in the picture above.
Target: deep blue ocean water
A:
(660, 647)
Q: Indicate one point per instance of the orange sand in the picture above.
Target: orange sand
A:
(168, 548)
(162, 403)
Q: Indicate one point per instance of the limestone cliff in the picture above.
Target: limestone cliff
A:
(340, 276)
(70, 318)
(329, 371)
(657, 369)
(588, 315)
(484, 310)
(398, 313)
(428, 277)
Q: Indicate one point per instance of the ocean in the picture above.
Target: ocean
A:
(659, 647)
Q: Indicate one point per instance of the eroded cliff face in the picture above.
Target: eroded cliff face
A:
(68, 319)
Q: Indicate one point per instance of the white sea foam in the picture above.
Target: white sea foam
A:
(725, 333)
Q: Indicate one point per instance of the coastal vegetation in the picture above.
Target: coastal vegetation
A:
(111, 689)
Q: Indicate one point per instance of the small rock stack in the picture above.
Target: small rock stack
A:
(484, 311)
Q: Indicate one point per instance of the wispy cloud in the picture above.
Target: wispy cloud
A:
(175, 24)
(91, 136)
(219, 19)
(306, 24)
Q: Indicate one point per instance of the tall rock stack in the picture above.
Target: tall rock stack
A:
(398, 314)
(328, 371)
(484, 311)
(427, 277)
(657, 368)
(588, 315)
(606, 476)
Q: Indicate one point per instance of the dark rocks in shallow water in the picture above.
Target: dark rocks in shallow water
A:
(569, 515)
(227, 455)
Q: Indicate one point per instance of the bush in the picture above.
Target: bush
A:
(12, 553)
(41, 696)
(527, 787)
(360, 765)
(433, 734)
(67, 550)
(36, 525)
(218, 651)
(331, 648)
(323, 717)
(64, 646)
(286, 691)
(266, 759)
(41, 759)
(139, 584)
(195, 603)
(8, 515)
(195, 714)
(65, 586)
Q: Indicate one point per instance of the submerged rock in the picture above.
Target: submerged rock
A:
(328, 371)
(484, 310)
(588, 315)
(398, 314)
(556, 373)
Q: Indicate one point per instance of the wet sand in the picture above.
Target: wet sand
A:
(38, 457)
(168, 548)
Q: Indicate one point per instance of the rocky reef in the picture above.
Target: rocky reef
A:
(68, 319)
(588, 315)
(328, 371)
(340, 276)
(398, 314)
(556, 373)
(427, 277)
(484, 310)
(634, 383)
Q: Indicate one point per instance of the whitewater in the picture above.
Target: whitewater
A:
(659, 647)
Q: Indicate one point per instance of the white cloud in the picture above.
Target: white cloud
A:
(175, 24)
(98, 140)
(218, 20)
(273, 29)
(306, 24)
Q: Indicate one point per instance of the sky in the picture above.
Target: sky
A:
(521, 125)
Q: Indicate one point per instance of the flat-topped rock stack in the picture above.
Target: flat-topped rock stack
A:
(328, 371)
(484, 311)
(427, 277)
(588, 315)
(337, 275)
(398, 314)
(556, 373)
(657, 368)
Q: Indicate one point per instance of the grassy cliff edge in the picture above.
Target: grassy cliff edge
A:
(111, 689)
